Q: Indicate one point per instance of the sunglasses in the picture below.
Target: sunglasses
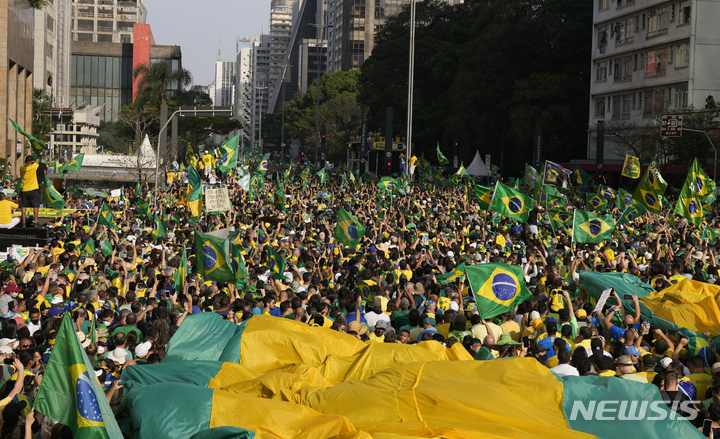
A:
(27, 345)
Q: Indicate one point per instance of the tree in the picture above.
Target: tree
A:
(116, 136)
(41, 115)
(155, 80)
(140, 117)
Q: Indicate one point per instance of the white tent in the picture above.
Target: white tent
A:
(478, 168)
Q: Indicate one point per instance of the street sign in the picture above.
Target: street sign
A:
(671, 126)
(388, 154)
(362, 160)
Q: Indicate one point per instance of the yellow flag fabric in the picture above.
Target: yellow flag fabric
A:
(689, 304)
(631, 168)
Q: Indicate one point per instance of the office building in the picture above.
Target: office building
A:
(223, 88)
(244, 84)
(16, 77)
(280, 27)
(52, 37)
(648, 58)
(106, 21)
(260, 86)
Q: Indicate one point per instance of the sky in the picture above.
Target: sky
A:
(198, 27)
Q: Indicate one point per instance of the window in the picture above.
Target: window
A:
(599, 107)
(602, 37)
(624, 30)
(684, 17)
(681, 96)
(658, 21)
(621, 105)
(654, 101)
(623, 68)
(601, 71)
(603, 5)
(656, 63)
(683, 56)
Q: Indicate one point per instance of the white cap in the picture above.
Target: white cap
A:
(142, 349)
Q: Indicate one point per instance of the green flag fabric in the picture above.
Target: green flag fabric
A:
(651, 188)
(484, 196)
(70, 392)
(181, 272)
(228, 154)
(348, 231)
(73, 165)
(624, 199)
(442, 160)
(596, 203)
(589, 227)
(158, 228)
(531, 176)
(630, 214)
(213, 258)
(36, 145)
(106, 216)
(511, 203)
(701, 184)
(276, 264)
(559, 218)
(264, 163)
(323, 175)
(388, 184)
(51, 197)
(580, 177)
(497, 287)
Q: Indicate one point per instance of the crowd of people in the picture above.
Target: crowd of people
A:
(118, 283)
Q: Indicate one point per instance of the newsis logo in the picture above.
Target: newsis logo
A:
(631, 410)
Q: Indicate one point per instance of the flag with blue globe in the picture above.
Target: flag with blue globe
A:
(497, 287)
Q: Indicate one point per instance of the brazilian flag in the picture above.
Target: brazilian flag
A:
(624, 199)
(484, 196)
(554, 199)
(607, 192)
(213, 258)
(158, 230)
(531, 176)
(388, 184)
(631, 168)
(36, 145)
(51, 197)
(73, 165)
(263, 165)
(511, 203)
(106, 216)
(323, 175)
(462, 170)
(238, 265)
(442, 160)
(701, 184)
(580, 177)
(630, 214)
(277, 264)
(228, 154)
(451, 276)
(89, 248)
(589, 227)
(651, 188)
(689, 205)
(596, 203)
(497, 287)
(348, 231)
(559, 218)
(70, 392)
(181, 272)
(424, 166)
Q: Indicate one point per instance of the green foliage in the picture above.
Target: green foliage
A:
(37, 4)
(486, 73)
(115, 137)
(42, 109)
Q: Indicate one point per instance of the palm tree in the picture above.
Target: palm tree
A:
(155, 80)
(42, 114)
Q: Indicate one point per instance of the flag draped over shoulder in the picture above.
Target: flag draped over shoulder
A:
(589, 227)
(181, 272)
(651, 188)
(73, 165)
(631, 168)
(348, 231)
(36, 145)
(70, 392)
(497, 287)
(511, 203)
(442, 160)
(228, 154)
(213, 258)
(51, 197)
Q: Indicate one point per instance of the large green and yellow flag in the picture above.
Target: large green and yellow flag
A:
(194, 192)
(442, 160)
(158, 230)
(36, 145)
(106, 217)
(228, 154)
(348, 231)
(51, 197)
(559, 218)
(689, 204)
(276, 264)
(497, 287)
(700, 183)
(511, 203)
(589, 227)
(388, 185)
(651, 188)
(73, 165)
(631, 168)
(180, 274)
(70, 392)
(596, 203)
(213, 258)
(630, 214)
(483, 195)
(624, 199)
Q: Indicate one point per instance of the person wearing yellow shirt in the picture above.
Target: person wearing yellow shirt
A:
(379, 334)
(30, 195)
(698, 377)
(207, 163)
(413, 165)
(648, 363)
(6, 207)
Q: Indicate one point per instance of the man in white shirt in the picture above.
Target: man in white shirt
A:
(564, 368)
(376, 314)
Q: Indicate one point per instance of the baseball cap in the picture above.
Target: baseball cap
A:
(381, 324)
(632, 350)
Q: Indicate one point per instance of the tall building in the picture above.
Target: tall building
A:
(280, 27)
(650, 57)
(53, 28)
(224, 85)
(106, 21)
(101, 74)
(260, 86)
(17, 20)
(306, 54)
(244, 84)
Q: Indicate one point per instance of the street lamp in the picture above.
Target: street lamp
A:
(411, 80)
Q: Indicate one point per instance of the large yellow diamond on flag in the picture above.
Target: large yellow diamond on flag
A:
(595, 227)
(515, 204)
(651, 200)
(692, 207)
(88, 409)
(213, 258)
(501, 287)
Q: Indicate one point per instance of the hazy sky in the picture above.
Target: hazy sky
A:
(198, 26)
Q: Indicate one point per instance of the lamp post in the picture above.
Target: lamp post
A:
(711, 144)
(411, 80)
